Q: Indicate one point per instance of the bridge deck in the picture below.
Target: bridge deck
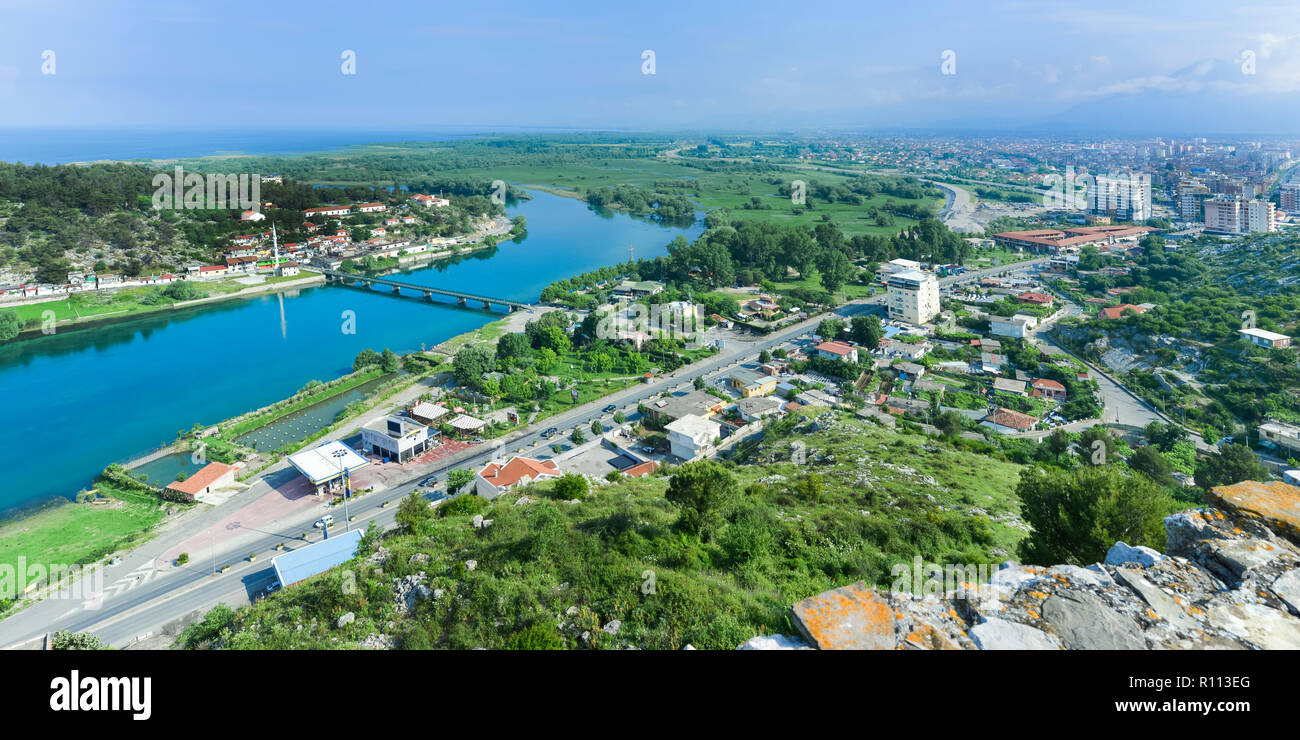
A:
(425, 289)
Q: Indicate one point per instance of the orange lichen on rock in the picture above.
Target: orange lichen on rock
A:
(852, 617)
(1275, 502)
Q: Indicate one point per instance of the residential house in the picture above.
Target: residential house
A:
(429, 201)
(1262, 338)
(370, 207)
(754, 408)
(752, 383)
(1048, 388)
(326, 211)
(838, 350)
(211, 476)
(814, 397)
(1114, 312)
(495, 479)
(991, 363)
(1282, 434)
(909, 370)
(1007, 421)
(1007, 385)
(695, 403)
(1035, 298)
(1017, 326)
(629, 290)
(692, 436)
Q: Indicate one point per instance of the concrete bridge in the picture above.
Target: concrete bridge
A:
(463, 299)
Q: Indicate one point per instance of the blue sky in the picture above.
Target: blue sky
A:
(1097, 66)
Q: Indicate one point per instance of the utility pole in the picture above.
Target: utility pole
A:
(338, 456)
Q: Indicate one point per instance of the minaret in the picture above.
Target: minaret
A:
(275, 261)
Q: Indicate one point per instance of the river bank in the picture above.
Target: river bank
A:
(52, 304)
(147, 380)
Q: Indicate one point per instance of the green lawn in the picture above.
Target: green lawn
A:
(73, 533)
(812, 281)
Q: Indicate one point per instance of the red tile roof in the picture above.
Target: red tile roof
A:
(201, 479)
(1114, 312)
(515, 470)
(835, 347)
(1035, 297)
(1046, 383)
(1011, 419)
(645, 468)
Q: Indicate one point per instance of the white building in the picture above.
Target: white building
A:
(913, 296)
(396, 438)
(1281, 434)
(1126, 197)
(1238, 215)
(1017, 326)
(430, 200)
(1264, 338)
(692, 436)
(893, 267)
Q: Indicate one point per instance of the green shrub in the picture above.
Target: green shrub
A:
(467, 505)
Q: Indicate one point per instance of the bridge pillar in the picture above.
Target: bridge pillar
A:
(428, 295)
(487, 305)
(461, 301)
(396, 289)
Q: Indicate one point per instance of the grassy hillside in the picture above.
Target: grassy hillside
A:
(857, 507)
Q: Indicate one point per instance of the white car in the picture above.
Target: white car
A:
(324, 521)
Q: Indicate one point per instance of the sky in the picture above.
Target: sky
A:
(1119, 67)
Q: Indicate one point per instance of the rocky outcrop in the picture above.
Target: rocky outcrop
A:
(1229, 579)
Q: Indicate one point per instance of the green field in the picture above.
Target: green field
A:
(76, 533)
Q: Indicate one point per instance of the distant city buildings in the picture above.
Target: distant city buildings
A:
(1290, 197)
(1237, 215)
(1125, 197)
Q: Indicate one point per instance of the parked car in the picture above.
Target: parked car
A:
(272, 587)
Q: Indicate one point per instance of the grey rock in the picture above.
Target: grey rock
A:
(1266, 629)
(471, 564)
(1085, 576)
(418, 558)
(999, 634)
(1121, 553)
(1287, 587)
(1241, 556)
(612, 627)
(346, 619)
(1160, 602)
(1084, 622)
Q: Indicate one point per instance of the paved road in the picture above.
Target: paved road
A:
(160, 597)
